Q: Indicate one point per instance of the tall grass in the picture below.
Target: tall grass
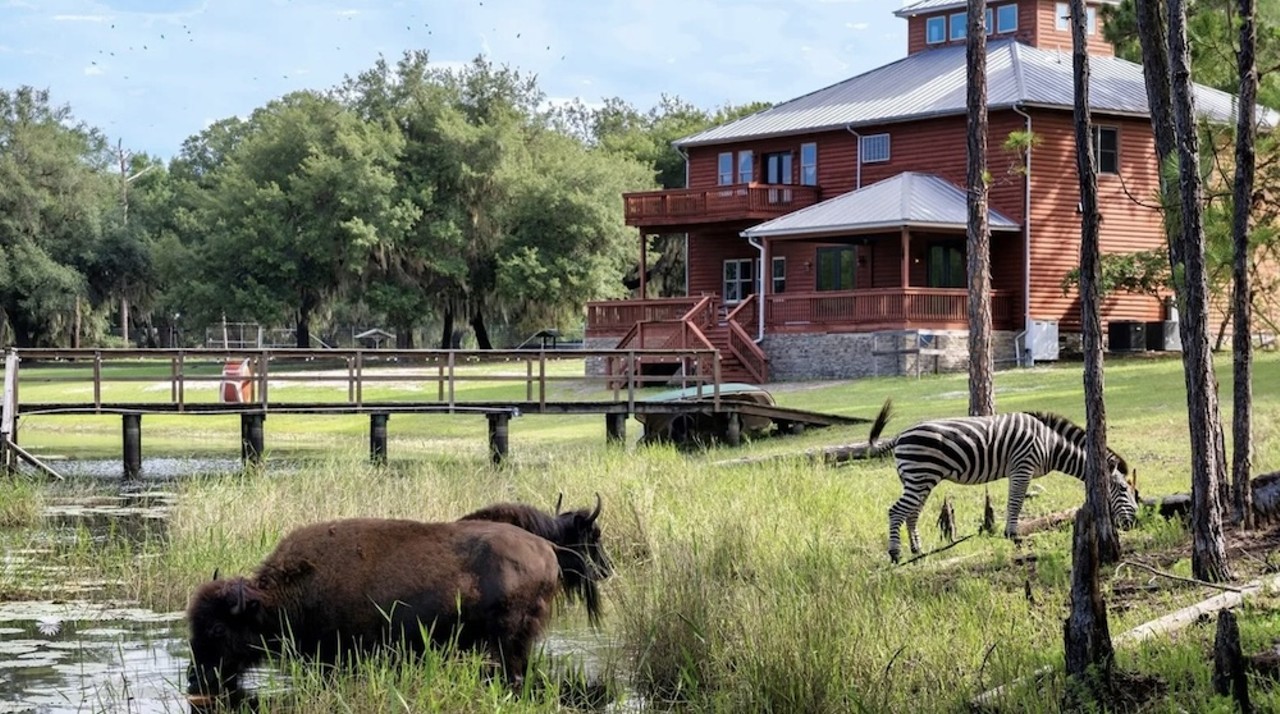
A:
(21, 500)
(757, 587)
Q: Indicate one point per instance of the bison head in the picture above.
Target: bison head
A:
(227, 623)
(582, 557)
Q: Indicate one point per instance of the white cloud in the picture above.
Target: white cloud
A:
(93, 70)
(80, 18)
(859, 26)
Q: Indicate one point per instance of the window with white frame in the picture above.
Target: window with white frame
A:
(1106, 149)
(809, 164)
(959, 26)
(874, 148)
(1006, 18)
(935, 30)
(745, 166)
(725, 173)
(779, 274)
(1062, 18)
(739, 279)
(988, 25)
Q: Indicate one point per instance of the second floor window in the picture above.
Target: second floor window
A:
(1106, 148)
(959, 26)
(874, 148)
(745, 166)
(777, 167)
(1062, 18)
(809, 164)
(725, 172)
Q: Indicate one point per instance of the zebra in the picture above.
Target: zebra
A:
(973, 450)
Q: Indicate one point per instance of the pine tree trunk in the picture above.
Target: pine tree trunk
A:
(1208, 554)
(1242, 342)
(1097, 485)
(1090, 657)
(981, 364)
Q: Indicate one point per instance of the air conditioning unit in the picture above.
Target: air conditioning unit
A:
(1126, 336)
(1162, 336)
(1042, 340)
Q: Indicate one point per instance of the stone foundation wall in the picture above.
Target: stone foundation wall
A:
(876, 354)
(596, 365)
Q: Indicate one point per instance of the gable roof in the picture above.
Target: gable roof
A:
(926, 6)
(933, 83)
(911, 199)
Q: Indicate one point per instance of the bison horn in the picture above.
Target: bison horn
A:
(559, 501)
(239, 606)
(215, 573)
(596, 513)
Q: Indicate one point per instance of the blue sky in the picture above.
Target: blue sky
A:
(153, 72)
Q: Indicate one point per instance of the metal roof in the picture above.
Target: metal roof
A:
(933, 83)
(926, 6)
(910, 199)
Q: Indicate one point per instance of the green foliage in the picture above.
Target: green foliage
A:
(1143, 272)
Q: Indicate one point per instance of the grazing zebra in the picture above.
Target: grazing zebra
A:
(973, 450)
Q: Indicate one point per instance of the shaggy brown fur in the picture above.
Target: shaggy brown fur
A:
(576, 534)
(332, 589)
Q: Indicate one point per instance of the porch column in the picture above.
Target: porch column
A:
(906, 258)
(644, 264)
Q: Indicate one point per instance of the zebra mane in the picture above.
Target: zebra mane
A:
(1062, 425)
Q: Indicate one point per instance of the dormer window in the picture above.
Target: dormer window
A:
(935, 30)
(1006, 18)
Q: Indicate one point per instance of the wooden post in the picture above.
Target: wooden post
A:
(132, 446)
(644, 265)
(251, 438)
(615, 428)
(733, 429)
(905, 267)
(499, 426)
(378, 437)
(97, 380)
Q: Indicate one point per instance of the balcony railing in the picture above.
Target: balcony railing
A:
(723, 203)
(616, 317)
(882, 308)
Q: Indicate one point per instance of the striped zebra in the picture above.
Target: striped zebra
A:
(973, 450)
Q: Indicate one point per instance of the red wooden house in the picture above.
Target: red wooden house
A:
(826, 235)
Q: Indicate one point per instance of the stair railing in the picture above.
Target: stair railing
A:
(741, 345)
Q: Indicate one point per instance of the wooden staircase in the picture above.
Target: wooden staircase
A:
(710, 326)
(732, 369)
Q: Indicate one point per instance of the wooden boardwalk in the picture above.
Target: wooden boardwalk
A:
(132, 383)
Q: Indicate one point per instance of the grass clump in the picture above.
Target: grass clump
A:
(21, 501)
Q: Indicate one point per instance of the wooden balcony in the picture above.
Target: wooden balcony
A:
(883, 308)
(616, 317)
(674, 208)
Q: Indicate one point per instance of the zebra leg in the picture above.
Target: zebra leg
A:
(1019, 480)
(907, 509)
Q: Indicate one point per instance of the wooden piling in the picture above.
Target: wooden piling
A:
(733, 429)
(378, 437)
(499, 429)
(132, 445)
(615, 428)
(251, 438)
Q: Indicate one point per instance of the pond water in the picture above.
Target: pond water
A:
(79, 651)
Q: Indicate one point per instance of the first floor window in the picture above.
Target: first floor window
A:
(779, 274)
(725, 172)
(836, 268)
(1106, 148)
(739, 279)
(947, 265)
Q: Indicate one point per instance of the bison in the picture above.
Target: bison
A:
(576, 534)
(333, 589)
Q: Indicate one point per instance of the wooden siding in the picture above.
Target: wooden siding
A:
(1127, 225)
(707, 253)
(1036, 27)
(1048, 36)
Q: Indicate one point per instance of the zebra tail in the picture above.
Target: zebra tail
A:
(877, 427)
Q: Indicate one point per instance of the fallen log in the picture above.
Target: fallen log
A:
(1046, 522)
(1163, 625)
(831, 455)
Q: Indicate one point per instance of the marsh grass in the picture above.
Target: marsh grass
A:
(21, 501)
(760, 587)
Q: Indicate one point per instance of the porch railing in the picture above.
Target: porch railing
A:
(741, 323)
(617, 317)
(675, 206)
(882, 307)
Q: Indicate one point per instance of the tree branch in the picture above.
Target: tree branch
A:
(1171, 576)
